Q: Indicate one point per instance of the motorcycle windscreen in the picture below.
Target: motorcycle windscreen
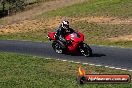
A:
(77, 37)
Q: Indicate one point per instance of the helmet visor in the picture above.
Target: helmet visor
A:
(66, 26)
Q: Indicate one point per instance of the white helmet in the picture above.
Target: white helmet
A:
(65, 24)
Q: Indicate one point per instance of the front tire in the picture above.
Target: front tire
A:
(57, 47)
(85, 50)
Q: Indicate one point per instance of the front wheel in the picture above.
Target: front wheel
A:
(57, 47)
(85, 50)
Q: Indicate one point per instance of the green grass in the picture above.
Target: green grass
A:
(21, 71)
(115, 8)
(40, 35)
(1, 6)
(1, 21)
(6, 6)
(102, 31)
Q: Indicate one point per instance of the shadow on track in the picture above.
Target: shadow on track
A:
(94, 55)
(98, 55)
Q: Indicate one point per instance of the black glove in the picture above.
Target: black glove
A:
(63, 39)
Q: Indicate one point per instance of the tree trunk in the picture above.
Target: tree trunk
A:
(3, 7)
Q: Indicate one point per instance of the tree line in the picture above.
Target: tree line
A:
(9, 7)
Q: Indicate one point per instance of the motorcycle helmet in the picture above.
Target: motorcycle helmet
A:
(65, 25)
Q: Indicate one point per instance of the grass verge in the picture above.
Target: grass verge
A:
(39, 35)
(21, 71)
(112, 8)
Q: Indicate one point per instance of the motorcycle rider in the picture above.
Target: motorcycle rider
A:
(62, 31)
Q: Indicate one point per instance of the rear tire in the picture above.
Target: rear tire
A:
(57, 47)
(85, 50)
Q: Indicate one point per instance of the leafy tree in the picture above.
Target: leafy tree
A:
(16, 6)
(3, 2)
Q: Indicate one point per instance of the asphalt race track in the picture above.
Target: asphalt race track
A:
(102, 55)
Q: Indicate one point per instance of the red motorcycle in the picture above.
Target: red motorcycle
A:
(74, 44)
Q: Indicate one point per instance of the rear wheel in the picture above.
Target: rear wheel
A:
(85, 50)
(57, 47)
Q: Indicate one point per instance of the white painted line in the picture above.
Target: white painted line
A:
(124, 69)
(85, 63)
(111, 67)
(106, 66)
(91, 64)
(117, 68)
(34, 56)
(64, 60)
(57, 59)
(80, 62)
(47, 58)
(77, 62)
(71, 61)
(98, 65)
(130, 70)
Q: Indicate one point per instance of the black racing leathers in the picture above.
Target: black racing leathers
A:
(61, 34)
